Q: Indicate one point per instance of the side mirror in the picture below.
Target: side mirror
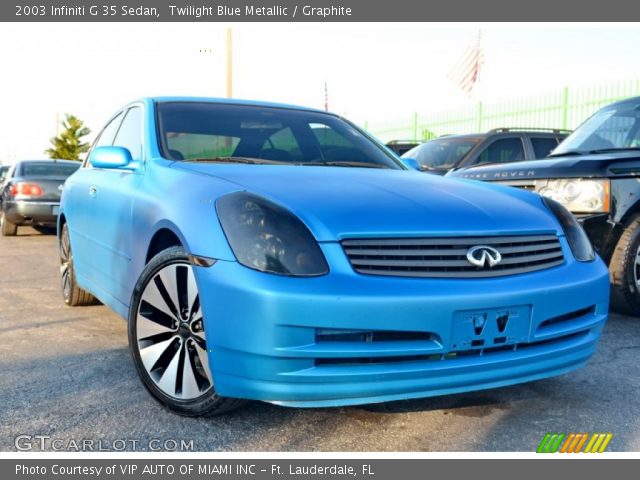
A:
(412, 163)
(110, 157)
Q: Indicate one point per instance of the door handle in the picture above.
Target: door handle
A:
(92, 191)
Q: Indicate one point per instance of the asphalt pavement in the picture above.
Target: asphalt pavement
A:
(66, 377)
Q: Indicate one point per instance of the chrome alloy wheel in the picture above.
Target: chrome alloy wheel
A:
(170, 333)
(65, 264)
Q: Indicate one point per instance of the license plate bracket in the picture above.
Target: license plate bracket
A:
(491, 327)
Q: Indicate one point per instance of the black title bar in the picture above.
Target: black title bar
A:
(315, 10)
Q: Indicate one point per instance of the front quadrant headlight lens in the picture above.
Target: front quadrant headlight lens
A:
(576, 236)
(266, 237)
(577, 194)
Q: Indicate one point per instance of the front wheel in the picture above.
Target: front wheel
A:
(625, 270)
(167, 338)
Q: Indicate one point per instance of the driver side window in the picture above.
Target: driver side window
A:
(282, 146)
(129, 134)
(105, 137)
(505, 150)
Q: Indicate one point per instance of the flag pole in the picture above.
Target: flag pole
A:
(229, 63)
(326, 97)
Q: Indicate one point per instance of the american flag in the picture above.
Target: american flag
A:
(465, 73)
(326, 97)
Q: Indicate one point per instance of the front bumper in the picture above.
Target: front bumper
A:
(22, 212)
(273, 338)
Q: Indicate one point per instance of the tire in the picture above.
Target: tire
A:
(72, 294)
(8, 229)
(167, 338)
(624, 270)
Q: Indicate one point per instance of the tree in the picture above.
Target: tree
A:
(68, 145)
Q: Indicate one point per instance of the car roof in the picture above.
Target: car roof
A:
(464, 135)
(228, 101)
(625, 102)
(505, 132)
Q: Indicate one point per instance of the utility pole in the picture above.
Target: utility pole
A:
(229, 63)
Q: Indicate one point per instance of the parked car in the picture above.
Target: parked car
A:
(501, 145)
(3, 172)
(278, 253)
(594, 173)
(400, 147)
(30, 194)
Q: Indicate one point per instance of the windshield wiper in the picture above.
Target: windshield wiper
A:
(487, 164)
(426, 168)
(614, 149)
(247, 160)
(568, 153)
(343, 164)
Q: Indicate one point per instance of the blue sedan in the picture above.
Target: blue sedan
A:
(278, 253)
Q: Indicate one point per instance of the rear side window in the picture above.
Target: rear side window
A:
(542, 146)
(48, 169)
(129, 134)
(505, 150)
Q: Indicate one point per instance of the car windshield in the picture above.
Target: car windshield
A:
(48, 169)
(611, 128)
(442, 153)
(200, 131)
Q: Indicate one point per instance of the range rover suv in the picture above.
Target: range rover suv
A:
(595, 173)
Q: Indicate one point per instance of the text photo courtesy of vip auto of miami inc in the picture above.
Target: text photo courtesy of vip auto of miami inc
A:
(326, 237)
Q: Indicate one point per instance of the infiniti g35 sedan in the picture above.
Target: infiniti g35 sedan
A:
(278, 253)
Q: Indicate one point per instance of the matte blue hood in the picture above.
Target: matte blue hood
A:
(337, 203)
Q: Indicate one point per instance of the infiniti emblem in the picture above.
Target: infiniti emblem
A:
(483, 256)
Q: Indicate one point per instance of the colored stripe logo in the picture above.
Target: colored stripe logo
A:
(574, 443)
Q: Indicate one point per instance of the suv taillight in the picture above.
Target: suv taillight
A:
(24, 188)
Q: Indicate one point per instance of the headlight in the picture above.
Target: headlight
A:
(268, 238)
(578, 195)
(577, 239)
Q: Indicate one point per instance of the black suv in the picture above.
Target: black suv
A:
(595, 173)
(500, 145)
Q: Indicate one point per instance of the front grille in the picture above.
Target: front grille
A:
(567, 317)
(447, 257)
(484, 353)
(370, 336)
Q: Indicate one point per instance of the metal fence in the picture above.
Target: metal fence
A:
(566, 109)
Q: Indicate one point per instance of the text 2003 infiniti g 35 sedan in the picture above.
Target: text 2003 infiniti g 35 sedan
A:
(278, 253)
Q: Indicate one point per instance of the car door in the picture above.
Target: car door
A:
(111, 196)
(79, 211)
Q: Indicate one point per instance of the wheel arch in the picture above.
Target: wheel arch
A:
(619, 228)
(62, 219)
(164, 237)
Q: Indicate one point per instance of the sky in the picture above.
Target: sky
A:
(373, 72)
